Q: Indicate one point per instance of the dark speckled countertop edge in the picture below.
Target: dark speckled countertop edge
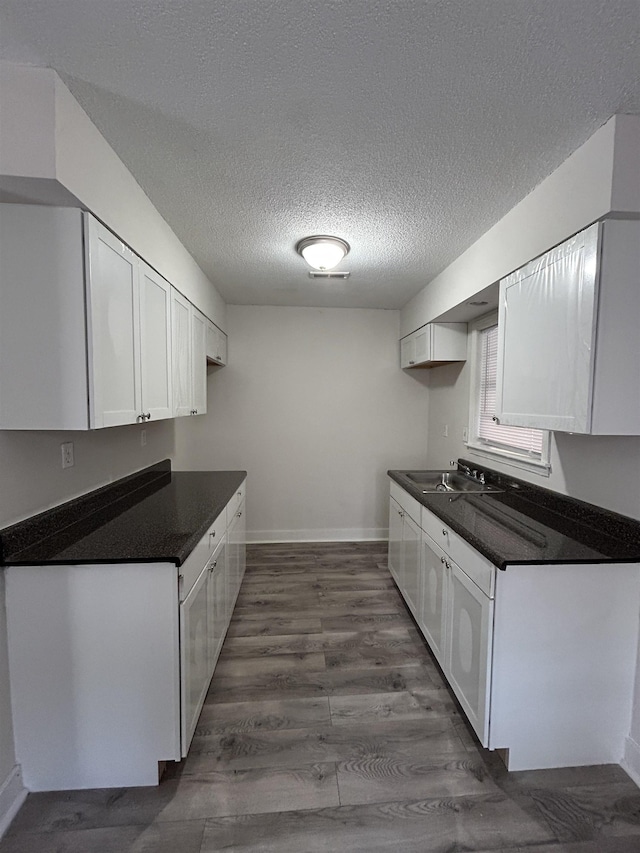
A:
(617, 537)
(128, 521)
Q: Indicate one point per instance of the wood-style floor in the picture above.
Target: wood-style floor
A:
(328, 728)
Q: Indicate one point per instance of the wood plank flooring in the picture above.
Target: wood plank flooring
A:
(328, 728)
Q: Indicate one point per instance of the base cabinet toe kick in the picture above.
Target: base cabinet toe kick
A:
(541, 657)
(110, 663)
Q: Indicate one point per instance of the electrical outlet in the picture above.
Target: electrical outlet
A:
(67, 454)
(465, 434)
(143, 438)
(445, 431)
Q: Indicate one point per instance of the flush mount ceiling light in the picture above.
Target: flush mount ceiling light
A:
(322, 252)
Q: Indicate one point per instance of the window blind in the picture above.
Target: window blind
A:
(519, 439)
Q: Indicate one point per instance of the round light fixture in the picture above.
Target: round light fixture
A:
(322, 252)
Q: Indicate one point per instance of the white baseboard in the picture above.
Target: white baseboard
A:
(631, 760)
(12, 796)
(338, 534)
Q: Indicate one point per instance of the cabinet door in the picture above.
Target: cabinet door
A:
(155, 343)
(414, 349)
(546, 344)
(395, 540)
(433, 611)
(216, 344)
(237, 549)
(218, 610)
(199, 361)
(411, 537)
(422, 351)
(468, 654)
(181, 354)
(112, 288)
(222, 347)
(195, 655)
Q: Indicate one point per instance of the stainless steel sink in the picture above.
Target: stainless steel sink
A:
(447, 481)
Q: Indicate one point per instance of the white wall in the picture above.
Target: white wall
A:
(31, 471)
(314, 406)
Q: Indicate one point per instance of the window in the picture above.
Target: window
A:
(521, 446)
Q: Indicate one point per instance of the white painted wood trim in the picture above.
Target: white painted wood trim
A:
(631, 760)
(328, 534)
(12, 796)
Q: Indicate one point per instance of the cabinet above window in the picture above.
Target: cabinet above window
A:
(433, 344)
(568, 347)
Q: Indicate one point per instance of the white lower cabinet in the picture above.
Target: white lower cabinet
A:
(237, 552)
(196, 628)
(469, 639)
(431, 618)
(204, 619)
(110, 663)
(395, 540)
(404, 547)
(456, 618)
(219, 609)
(411, 536)
(541, 657)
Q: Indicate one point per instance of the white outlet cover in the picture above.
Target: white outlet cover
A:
(67, 454)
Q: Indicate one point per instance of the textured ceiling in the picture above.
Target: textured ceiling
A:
(407, 128)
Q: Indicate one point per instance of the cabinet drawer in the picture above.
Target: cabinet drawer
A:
(234, 504)
(409, 505)
(197, 559)
(481, 571)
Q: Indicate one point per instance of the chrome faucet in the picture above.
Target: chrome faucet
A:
(472, 472)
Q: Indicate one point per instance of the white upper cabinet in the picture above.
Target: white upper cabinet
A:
(88, 337)
(199, 361)
(216, 344)
(189, 329)
(433, 344)
(569, 349)
(155, 344)
(43, 360)
(113, 319)
(182, 354)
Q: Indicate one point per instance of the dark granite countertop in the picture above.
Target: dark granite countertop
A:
(526, 524)
(156, 515)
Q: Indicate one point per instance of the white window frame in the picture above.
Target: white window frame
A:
(513, 457)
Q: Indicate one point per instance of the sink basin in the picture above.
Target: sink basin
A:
(447, 481)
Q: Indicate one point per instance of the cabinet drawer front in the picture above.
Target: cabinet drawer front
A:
(481, 571)
(197, 559)
(409, 505)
